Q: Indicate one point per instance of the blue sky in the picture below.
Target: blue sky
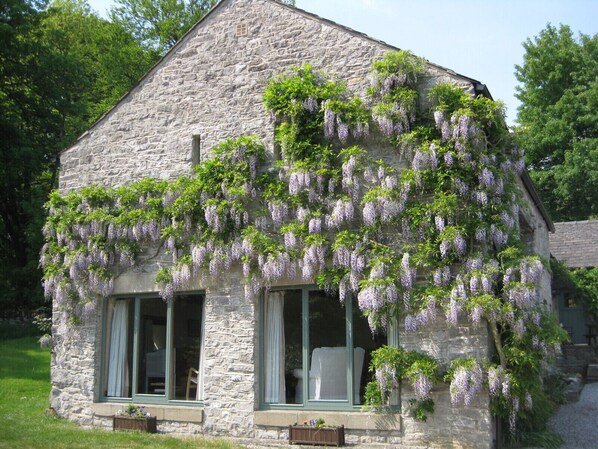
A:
(481, 39)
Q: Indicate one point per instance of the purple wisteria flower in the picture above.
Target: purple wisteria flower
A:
(369, 213)
(486, 284)
(462, 188)
(531, 271)
(439, 223)
(452, 314)
(466, 383)
(445, 247)
(476, 314)
(486, 177)
(480, 234)
(410, 323)
(481, 197)
(329, 123)
(342, 130)
(437, 277)
(386, 379)
(459, 244)
(386, 125)
(311, 104)
(361, 130)
(315, 225)
(369, 299)
(422, 386)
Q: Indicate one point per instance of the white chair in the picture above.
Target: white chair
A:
(192, 380)
(328, 374)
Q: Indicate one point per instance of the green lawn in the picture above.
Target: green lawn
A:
(24, 390)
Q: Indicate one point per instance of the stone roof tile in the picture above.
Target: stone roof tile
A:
(576, 243)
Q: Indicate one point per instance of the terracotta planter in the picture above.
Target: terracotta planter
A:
(323, 436)
(131, 423)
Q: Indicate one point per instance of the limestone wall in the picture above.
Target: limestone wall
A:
(211, 84)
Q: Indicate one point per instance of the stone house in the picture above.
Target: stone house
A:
(197, 363)
(575, 243)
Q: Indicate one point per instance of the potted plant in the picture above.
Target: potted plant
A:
(134, 417)
(316, 432)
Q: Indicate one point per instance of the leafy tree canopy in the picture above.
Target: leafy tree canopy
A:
(158, 24)
(558, 120)
(61, 68)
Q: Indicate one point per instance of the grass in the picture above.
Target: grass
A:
(24, 392)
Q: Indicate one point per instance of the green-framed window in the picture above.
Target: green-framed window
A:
(153, 349)
(315, 350)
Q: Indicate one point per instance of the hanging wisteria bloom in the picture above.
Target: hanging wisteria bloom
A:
(466, 383)
(531, 271)
(370, 299)
(329, 123)
(486, 177)
(422, 386)
(315, 225)
(439, 223)
(410, 323)
(443, 125)
(452, 313)
(369, 213)
(361, 130)
(445, 247)
(386, 379)
(342, 130)
(311, 104)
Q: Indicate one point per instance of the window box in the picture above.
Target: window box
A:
(132, 423)
(319, 436)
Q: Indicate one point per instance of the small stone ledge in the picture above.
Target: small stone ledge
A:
(351, 420)
(162, 412)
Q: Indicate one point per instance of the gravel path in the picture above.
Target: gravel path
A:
(578, 422)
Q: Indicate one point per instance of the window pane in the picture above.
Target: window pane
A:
(283, 368)
(327, 347)
(152, 347)
(364, 343)
(186, 341)
(119, 348)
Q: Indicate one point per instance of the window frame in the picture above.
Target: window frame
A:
(307, 404)
(158, 399)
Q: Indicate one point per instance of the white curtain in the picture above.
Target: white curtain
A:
(117, 361)
(201, 374)
(274, 348)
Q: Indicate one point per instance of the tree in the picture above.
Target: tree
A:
(61, 68)
(158, 24)
(22, 123)
(558, 120)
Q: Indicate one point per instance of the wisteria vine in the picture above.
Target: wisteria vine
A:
(436, 239)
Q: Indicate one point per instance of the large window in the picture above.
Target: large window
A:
(315, 350)
(153, 349)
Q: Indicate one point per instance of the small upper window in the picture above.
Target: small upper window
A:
(241, 29)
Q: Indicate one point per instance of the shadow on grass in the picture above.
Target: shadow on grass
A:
(23, 359)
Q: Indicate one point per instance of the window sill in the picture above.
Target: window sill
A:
(351, 420)
(161, 412)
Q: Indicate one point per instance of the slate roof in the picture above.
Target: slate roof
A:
(576, 243)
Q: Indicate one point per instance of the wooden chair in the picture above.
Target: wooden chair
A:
(192, 380)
